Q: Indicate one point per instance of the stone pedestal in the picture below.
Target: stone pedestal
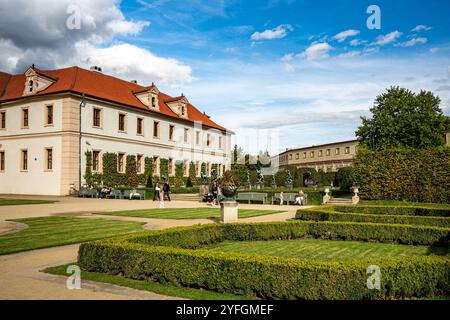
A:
(355, 198)
(228, 211)
(326, 197)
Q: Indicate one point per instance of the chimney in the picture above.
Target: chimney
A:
(96, 69)
(134, 81)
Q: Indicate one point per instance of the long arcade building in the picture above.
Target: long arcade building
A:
(44, 113)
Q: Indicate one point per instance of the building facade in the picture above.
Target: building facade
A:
(327, 157)
(49, 119)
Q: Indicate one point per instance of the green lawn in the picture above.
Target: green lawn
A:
(323, 249)
(56, 231)
(397, 203)
(165, 289)
(191, 213)
(17, 202)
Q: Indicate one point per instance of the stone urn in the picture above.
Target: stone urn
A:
(229, 187)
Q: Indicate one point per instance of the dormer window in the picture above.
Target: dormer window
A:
(36, 81)
(148, 96)
(178, 105)
(30, 85)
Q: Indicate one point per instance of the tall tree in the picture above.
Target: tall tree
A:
(402, 118)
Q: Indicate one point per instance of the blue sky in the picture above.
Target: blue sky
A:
(280, 73)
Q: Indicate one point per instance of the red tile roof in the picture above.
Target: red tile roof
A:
(97, 85)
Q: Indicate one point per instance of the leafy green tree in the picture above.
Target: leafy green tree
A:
(402, 118)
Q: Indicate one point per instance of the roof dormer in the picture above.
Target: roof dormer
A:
(179, 106)
(149, 96)
(35, 81)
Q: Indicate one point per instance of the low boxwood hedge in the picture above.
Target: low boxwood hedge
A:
(176, 256)
(394, 210)
(325, 214)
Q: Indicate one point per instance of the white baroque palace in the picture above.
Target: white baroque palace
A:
(49, 119)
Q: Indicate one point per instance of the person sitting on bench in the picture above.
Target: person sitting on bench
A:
(134, 193)
(300, 198)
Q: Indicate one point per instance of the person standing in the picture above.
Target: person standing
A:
(161, 199)
(156, 191)
(166, 189)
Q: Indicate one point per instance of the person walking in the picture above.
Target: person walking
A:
(166, 189)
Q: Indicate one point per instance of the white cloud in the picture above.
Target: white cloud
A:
(340, 37)
(289, 68)
(434, 50)
(46, 41)
(317, 51)
(421, 27)
(124, 27)
(388, 38)
(357, 42)
(413, 42)
(275, 33)
(287, 57)
(126, 60)
(350, 54)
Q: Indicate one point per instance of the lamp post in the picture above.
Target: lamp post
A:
(82, 105)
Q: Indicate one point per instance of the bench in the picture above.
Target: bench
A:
(287, 198)
(252, 196)
(116, 194)
(126, 194)
(88, 193)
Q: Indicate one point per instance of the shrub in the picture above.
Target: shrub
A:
(88, 171)
(131, 171)
(411, 175)
(345, 178)
(327, 214)
(164, 168)
(179, 173)
(404, 210)
(175, 256)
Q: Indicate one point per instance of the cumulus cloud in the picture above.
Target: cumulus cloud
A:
(340, 37)
(275, 33)
(388, 38)
(37, 32)
(317, 51)
(413, 42)
(126, 60)
(421, 27)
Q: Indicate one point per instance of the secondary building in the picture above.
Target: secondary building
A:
(326, 157)
(49, 119)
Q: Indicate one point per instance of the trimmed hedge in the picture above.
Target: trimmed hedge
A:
(175, 256)
(331, 215)
(404, 174)
(392, 210)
